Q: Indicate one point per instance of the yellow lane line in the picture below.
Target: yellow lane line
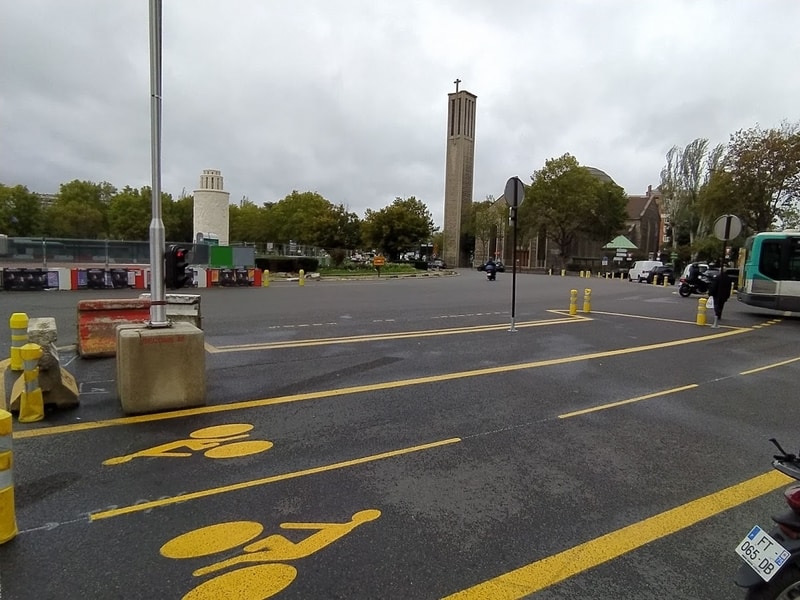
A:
(558, 567)
(764, 368)
(629, 401)
(366, 388)
(613, 314)
(106, 514)
(387, 336)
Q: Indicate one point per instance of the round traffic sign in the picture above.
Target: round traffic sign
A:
(514, 192)
(727, 227)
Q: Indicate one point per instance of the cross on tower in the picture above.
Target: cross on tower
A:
(457, 81)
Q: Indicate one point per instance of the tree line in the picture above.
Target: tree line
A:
(755, 176)
(90, 210)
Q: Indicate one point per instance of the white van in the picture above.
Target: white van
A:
(638, 272)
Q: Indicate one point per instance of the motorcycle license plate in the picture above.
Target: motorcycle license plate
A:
(762, 552)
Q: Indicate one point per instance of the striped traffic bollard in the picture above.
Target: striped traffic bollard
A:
(573, 302)
(701, 311)
(302, 281)
(31, 403)
(265, 278)
(19, 337)
(8, 519)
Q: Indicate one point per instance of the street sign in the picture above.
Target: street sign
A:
(514, 192)
(727, 227)
(378, 261)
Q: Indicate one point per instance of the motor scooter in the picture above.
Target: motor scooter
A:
(491, 272)
(696, 286)
(772, 560)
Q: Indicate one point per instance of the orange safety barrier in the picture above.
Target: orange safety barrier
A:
(98, 320)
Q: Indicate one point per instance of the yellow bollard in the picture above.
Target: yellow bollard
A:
(265, 278)
(589, 274)
(302, 281)
(550, 271)
(580, 274)
(701, 311)
(655, 280)
(563, 272)
(573, 302)
(587, 301)
(19, 337)
(665, 283)
(8, 520)
(31, 403)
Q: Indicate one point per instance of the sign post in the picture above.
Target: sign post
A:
(726, 228)
(514, 195)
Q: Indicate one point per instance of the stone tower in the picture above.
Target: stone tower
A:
(211, 206)
(459, 171)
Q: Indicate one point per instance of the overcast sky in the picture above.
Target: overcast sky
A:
(348, 98)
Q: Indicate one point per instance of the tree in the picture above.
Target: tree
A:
(79, 210)
(129, 215)
(20, 211)
(759, 180)
(566, 200)
(487, 217)
(686, 172)
(248, 222)
(397, 228)
(178, 217)
(296, 217)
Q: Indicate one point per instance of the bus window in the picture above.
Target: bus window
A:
(794, 259)
(770, 261)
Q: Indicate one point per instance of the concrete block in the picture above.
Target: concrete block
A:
(42, 331)
(160, 368)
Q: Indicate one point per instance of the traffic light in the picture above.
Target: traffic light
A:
(177, 273)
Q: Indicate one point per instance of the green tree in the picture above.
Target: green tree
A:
(397, 228)
(129, 215)
(487, 217)
(248, 223)
(296, 217)
(80, 210)
(566, 200)
(20, 211)
(759, 178)
(687, 171)
(178, 217)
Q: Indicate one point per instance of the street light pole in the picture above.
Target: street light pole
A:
(158, 308)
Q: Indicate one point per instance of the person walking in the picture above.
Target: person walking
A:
(720, 290)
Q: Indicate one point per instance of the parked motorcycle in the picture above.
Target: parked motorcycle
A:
(772, 560)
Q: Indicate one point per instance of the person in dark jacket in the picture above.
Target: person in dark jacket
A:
(720, 289)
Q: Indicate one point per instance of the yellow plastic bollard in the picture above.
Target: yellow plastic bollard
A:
(19, 337)
(701, 311)
(580, 274)
(8, 519)
(573, 302)
(31, 403)
(550, 271)
(589, 274)
(666, 281)
(563, 272)
(587, 301)
(302, 281)
(265, 278)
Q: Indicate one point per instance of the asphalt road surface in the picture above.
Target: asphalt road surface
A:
(393, 438)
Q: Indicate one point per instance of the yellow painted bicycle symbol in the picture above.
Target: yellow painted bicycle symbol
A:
(269, 575)
(215, 441)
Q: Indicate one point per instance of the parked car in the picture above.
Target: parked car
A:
(659, 273)
(638, 272)
(437, 264)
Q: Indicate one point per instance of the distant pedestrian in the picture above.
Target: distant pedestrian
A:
(719, 289)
